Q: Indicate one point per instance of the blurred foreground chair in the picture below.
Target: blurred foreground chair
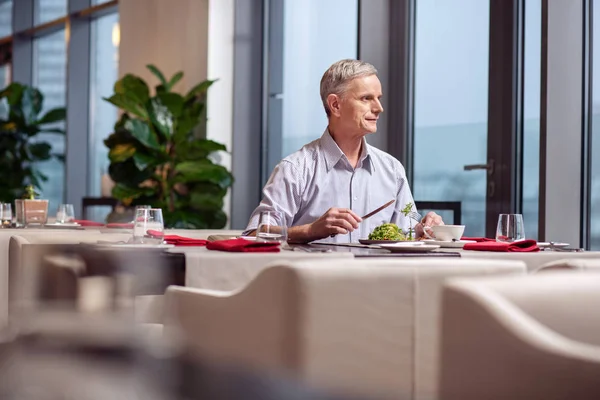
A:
(574, 264)
(526, 337)
(353, 326)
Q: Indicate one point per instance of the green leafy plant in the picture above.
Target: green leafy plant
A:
(30, 193)
(159, 157)
(20, 147)
(407, 210)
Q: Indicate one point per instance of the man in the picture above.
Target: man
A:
(323, 189)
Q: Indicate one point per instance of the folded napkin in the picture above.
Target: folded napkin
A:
(243, 245)
(492, 245)
(85, 222)
(177, 240)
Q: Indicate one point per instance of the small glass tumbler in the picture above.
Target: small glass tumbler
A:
(148, 227)
(65, 214)
(271, 227)
(510, 228)
(5, 215)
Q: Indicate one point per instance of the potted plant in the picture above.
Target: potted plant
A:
(20, 147)
(30, 210)
(158, 155)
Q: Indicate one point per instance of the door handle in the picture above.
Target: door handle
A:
(489, 167)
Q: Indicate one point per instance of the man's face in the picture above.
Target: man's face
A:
(360, 106)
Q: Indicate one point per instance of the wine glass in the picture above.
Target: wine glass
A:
(148, 227)
(510, 228)
(271, 227)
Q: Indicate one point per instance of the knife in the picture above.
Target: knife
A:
(375, 211)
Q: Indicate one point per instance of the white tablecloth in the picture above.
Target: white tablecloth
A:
(218, 270)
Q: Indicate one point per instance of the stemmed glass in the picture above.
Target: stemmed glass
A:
(148, 227)
(271, 227)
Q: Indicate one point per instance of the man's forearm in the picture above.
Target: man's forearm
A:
(300, 234)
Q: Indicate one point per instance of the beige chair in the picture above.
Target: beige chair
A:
(365, 325)
(531, 337)
(577, 264)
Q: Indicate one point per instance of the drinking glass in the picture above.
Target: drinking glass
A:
(5, 215)
(148, 227)
(271, 227)
(137, 208)
(65, 214)
(510, 228)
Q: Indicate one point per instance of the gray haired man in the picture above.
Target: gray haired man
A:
(322, 189)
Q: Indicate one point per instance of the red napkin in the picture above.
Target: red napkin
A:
(120, 225)
(243, 245)
(489, 245)
(178, 240)
(85, 222)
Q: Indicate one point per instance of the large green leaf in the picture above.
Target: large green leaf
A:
(133, 87)
(141, 131)
(190, 118)
(198, 171)
(206, 201)
(127, 104)
(121, 152)
(123, 192)
(40, 151)
(143, 160)
(127, 173)
(157, 73)
(184, 219)
(198, 149)
(120, 137)
(163, 110)
(176, 78)
(31, 104)
(199, 90)
(13, 94)
(54, 115)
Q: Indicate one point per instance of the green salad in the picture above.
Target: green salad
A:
(387, 231)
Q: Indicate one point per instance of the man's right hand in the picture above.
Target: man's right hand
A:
(336, 221)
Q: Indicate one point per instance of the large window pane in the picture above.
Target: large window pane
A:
(4, 75)
(316, 34)
(595, 173)
(5, 18)
(531, 113)
(48, 10)
(50, 64)
(105, 63)
(451, 93)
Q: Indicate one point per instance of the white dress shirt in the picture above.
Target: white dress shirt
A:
(304, 185)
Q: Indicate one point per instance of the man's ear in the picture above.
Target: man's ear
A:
(334, 102)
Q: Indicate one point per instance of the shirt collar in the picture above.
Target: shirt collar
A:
(333, 153)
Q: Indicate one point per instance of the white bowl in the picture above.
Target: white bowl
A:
(448, 232)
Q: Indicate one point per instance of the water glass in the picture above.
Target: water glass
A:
(271, 227)
(65, 214)
(148, 227)
(5, 215)
(510, 228)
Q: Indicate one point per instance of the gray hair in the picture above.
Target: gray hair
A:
(337, 77)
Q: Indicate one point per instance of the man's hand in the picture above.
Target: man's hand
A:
(335, 221)
(429, 220)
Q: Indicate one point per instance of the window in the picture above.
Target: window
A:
(5, 17)
(49, 76)
(48, 10)
(451, 97)
(316, 34)
(103, 115)
(595, 141)
(531, 114)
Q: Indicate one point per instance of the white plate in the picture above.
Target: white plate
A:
(543, 245)
(247, 237)
(449, 245)
(63, 226)
(399, 242)
(397, 248)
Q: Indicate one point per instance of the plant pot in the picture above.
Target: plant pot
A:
(31, 212)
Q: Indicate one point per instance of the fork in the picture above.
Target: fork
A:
(415, 215)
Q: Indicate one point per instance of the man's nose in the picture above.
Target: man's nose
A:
(378, 107)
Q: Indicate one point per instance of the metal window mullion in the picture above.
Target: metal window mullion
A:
(78, 100)
(22, 56)
(586, 148)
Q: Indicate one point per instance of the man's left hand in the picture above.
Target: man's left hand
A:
(429, 220)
